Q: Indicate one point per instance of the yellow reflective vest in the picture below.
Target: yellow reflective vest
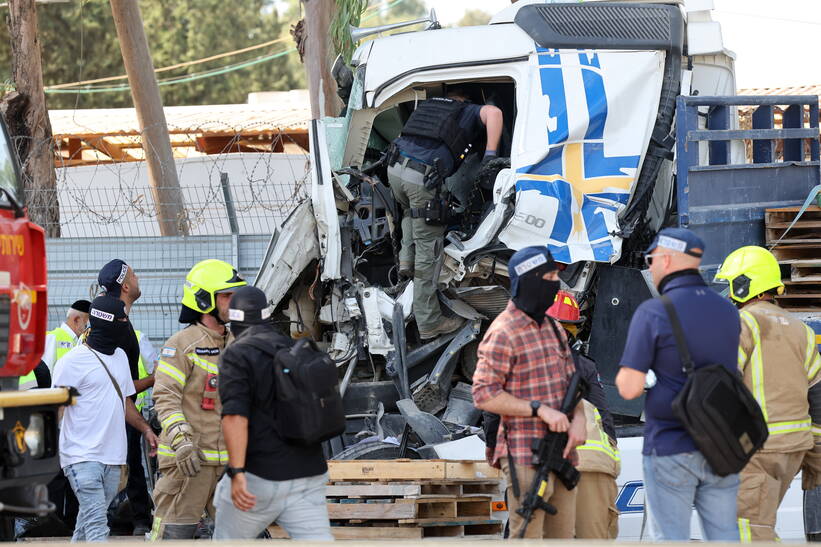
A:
(143, 373)
(779, 360)
(599, 453)
(62, 341)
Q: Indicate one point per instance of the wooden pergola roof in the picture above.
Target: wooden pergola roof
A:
(113, 135)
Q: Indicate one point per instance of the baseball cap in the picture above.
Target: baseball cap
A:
(106, 309)
(526, 260)
(678, 239)
(111, 277)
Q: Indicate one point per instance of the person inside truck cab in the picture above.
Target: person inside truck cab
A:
(429, 149)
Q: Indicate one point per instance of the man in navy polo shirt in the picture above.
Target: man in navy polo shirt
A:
(676, 474)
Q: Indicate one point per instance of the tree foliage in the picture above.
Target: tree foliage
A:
(348, 12)
(474, 18)
(79, 42)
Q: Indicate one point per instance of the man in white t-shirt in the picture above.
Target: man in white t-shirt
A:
(92, 437)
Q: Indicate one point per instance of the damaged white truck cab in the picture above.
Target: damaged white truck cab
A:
(588, 94)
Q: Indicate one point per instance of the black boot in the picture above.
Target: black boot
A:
(814, 537)
(179, 531)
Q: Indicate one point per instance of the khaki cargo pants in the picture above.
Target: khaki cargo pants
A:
(764, 481)
(542, 526)
(419, 241)
(596, 513)
(180, 501)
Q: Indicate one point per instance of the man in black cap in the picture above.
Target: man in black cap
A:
(267, 479)
(118, 280)
(93, 443)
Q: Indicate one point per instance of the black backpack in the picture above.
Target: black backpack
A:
(717, 410)
(308, 408)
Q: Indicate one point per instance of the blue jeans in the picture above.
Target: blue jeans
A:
(297, 505)
(674, 484)
(95, 484)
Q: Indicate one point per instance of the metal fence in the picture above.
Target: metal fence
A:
(160, 264)
(232, 202)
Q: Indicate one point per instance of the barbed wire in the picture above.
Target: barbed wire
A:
(238, 184)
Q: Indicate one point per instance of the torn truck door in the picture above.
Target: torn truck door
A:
(324, 202)
(291, 250)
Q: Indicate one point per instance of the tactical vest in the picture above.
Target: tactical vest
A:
(438, 119)
(143, 373)
(63, 343)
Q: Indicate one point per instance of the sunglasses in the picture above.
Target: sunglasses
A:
(648, 259)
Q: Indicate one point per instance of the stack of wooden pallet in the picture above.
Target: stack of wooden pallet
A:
(799, 253)
(412, 499)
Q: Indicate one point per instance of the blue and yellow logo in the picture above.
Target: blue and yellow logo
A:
(576, 171)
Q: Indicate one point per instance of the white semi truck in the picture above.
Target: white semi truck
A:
(589, 94)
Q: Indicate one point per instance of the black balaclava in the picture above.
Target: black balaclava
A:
(534, 294)
(249, 306)
(107, 327)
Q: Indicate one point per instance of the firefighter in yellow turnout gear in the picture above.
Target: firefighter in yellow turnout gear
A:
(779, 360)
(600, 464)
(192, 452)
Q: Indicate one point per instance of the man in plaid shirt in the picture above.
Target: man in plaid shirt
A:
(523, 372)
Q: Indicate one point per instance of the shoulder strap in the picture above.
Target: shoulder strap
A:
(678, 333)
(110, 376)
(262, 344)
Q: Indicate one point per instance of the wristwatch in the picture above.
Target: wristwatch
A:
(534, 408)
(234, 471)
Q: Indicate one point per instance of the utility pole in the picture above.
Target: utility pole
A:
(319, 58)
(27, 117)
(145, 93)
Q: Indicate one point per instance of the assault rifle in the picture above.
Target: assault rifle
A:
(548, 458)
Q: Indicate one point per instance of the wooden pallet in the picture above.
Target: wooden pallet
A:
(799, 254)
(408, 510)
(392, 470)
(806, 231)
(361, 489)
(411, 499)
(434, 528)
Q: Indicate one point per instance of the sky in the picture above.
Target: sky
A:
(774, 48)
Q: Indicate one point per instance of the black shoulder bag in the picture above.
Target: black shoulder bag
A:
(717, 409)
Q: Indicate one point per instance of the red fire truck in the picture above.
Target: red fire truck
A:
(28, 419)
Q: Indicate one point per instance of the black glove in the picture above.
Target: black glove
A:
(489, 168)
(485, 160)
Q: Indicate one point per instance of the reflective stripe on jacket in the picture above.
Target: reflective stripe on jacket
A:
(185, 363)
(779, 360)
(599, 453)
(29, 381)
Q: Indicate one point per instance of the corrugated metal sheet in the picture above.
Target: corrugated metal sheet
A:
(160, 263)
(794, 90)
